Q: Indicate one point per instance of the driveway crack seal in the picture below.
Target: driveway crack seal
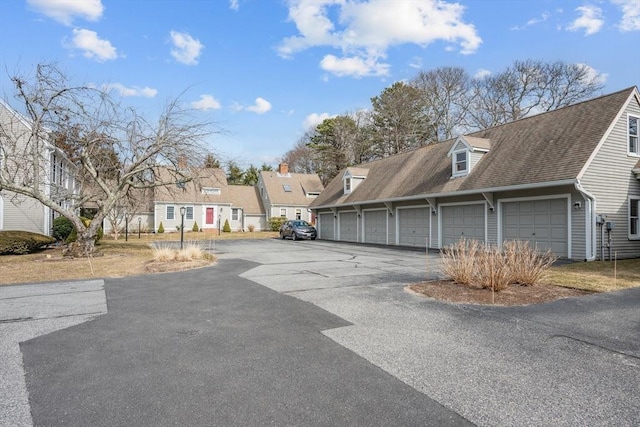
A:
(621, 353)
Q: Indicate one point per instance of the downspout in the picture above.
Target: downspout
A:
(590, 220)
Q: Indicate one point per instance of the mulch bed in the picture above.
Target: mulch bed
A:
(450, 291)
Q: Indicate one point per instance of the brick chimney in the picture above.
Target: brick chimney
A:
(182, 162)
(283, 169)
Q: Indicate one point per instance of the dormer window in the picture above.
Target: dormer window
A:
(465, 153)
(353, 177)
(347, 185)
(461, 166)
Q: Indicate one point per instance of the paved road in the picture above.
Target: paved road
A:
(318, 333)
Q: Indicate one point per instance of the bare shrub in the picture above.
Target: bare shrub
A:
(251, 228)
(527, 264)
(164, 254)
(493, 270)
(459, 261)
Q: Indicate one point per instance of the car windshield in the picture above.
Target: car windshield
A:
(301, 223)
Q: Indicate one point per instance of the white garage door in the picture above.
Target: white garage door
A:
(413, 226)
(543, 223)
(348, 226)
(375, 226)
(325, 226)
(462, 222)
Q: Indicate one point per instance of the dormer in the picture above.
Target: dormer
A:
(352, 178)
(465, 153)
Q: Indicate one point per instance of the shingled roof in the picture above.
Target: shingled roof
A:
(299, 184)
(545, 148)
(240, 196)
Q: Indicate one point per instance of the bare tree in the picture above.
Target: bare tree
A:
(445, 93)
(529, 87)
(301, 157)
(87, 119)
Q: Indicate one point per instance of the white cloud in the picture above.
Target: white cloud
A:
(533, 21)
(364, 30)
(186, 49)
(260, 107)
(590, 20)
(314, 119)
(206, 102)
(481, 73)
(630, 15)
(416, 62)
(353, 66)
(591, 74)
(64, 11)
(145, 92)
(233, 5)
(93, 47)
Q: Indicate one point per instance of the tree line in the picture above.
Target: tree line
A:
(437, 105)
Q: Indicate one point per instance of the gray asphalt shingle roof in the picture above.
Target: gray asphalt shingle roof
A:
(547, 147)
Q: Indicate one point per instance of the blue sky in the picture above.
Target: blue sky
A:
(266, 70)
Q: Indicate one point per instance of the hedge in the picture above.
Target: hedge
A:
(22, 242)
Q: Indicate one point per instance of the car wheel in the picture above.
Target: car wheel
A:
(282, 235)
(295, 236)
(313, 238)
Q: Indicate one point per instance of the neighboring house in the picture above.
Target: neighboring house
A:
(567, 180)
(18, 212)
(288, 195)
(209, 201)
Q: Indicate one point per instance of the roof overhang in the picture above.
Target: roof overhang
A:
(548, 184)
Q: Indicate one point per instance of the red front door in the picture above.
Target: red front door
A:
(209, 216)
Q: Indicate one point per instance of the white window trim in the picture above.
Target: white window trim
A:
(637, 152)
(286, 212)
(186, 213)
(348, 185)
(465, 171)
(166, 213)
(633, 199)
(235, 214)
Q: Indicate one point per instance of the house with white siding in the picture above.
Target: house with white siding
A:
(208, 201)
(55, 173)
(566, 180)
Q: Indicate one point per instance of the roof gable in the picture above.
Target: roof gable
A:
(298, 184)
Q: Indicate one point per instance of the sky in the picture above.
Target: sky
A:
(265, 71)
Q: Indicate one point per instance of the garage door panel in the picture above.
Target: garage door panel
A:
(413, 226)
(375, 226)
(326, 230)
(348, 227)
(543, 223)
(462, 222)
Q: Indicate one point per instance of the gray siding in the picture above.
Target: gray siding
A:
(610, 179)
(22, 213)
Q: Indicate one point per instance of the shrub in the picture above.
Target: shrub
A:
(161, 228)
(61, 228)
(473, 263)
(251, 228)
(22, 242)
(74, 233)
(459, 261)
(195, 226)
(527, 263)
(227, 227)
(493, 270)
(275, 222)
(190, 252)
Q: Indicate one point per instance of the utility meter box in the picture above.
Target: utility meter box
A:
(610, 225)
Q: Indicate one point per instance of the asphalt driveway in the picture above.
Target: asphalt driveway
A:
(316, 333)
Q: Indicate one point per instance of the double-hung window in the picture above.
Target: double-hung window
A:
(171, 212)
(235, 214)
(634, 218)
(461, 163)
(633, 122)
(189, 213)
